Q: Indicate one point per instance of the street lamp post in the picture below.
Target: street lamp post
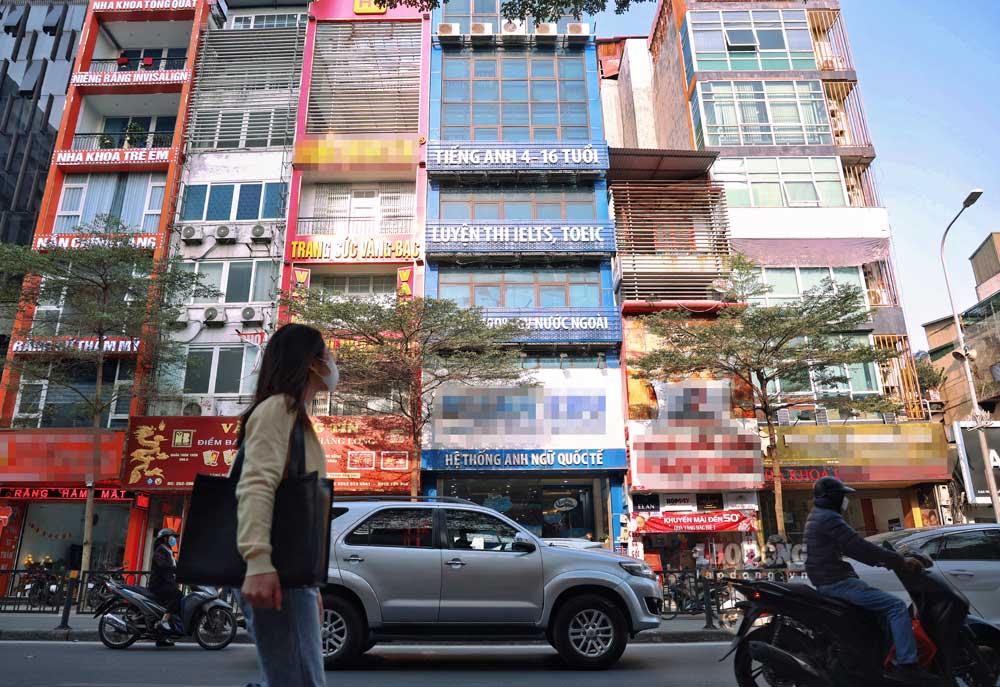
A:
(963, 354)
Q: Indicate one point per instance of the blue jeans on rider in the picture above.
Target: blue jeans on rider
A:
(289, 641)
(862, 594)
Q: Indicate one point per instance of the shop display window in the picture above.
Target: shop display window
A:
(54, 532)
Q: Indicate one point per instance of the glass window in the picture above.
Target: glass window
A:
(813, 277)
(782, 281)
(273, 201)
(238, 283)
(264, 286)
(459, 294)
(198, 371)
(584, 296)
(473, 531)
(193, 207)
(248, 205)
(977, 545)
(211, 277)
(797, 181)
(229, 371)
(848, 276)
(220, 202)
(398, 527)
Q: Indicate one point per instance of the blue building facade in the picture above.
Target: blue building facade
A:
(518, 224)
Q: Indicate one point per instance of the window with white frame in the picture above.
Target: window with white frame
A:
(267, 21)
(237, 281)
(361, 209)
(746, 113)
(862, 379)
(135, 200)
(767, 182)
(220, 370)
(229, 202)
(356, 284)
(789, 283)
(741, 40)
(372, 400)
(213, 129)
(44, 403)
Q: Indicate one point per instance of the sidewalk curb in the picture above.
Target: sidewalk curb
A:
(656, 637)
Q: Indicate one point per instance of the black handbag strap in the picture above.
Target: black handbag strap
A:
(296, 461)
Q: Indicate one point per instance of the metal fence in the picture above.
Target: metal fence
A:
(684, 590)
(126, 139)
(134, 65)
(37, 590)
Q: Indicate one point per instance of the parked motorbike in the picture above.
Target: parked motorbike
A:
(792, 636)
(97, 589)
(132, 613)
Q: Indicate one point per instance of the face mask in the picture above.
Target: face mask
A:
(172, 541)
(332, 375)
(843, 505)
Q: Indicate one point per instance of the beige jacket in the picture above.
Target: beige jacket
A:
(266, 441)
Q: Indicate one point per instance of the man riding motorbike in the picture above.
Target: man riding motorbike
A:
(828, 539)
(163, 579)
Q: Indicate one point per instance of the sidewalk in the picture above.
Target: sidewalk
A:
(40, 627)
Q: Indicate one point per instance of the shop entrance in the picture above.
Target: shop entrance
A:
(550, 508)
(688, 551)
(53, 535)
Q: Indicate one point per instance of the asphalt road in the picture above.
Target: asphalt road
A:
(59, 664)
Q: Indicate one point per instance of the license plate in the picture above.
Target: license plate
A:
(52, 587)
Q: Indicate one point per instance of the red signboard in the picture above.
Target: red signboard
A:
(809, 473)
(113, 345)
(45, 242)
(363, 454)
(131, 78)
(712, 521)
(11, 521)
(115, 158)
(367, 454)
(62, 494)
(59, 456)
(165, 453)
(404, 282)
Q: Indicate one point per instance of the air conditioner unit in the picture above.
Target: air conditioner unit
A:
(450, 33)
(577, 33)
(214, 317)
(200, 406)
(261, 234)
(252, 315)
(191, 234)
(547, 33)
(225, 234)
(481, 33)
(513, 32)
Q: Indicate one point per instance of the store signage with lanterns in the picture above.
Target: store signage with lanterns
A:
(555, 156)
(352, 249)
(519, 237)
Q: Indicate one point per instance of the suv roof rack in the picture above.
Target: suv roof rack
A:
(443, 499)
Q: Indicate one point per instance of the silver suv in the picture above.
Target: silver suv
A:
(438, 569)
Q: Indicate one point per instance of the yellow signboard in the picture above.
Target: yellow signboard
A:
(368, 7)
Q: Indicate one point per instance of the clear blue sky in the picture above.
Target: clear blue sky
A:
(929, 75)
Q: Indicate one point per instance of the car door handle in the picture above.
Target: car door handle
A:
(354, 559)
(963, 573)
(456, 563)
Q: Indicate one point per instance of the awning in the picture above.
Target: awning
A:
(812, 252)
(646, 164)
(712, 521)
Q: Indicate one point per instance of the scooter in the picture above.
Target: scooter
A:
(792, 636)
(131, 613)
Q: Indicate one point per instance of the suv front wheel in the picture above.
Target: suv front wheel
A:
(344, 632)
(589, 632)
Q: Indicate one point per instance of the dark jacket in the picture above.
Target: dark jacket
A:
(829, 538)
(163, 576)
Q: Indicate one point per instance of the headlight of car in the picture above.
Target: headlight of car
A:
(639, 569)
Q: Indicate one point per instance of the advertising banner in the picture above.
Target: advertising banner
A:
(551, 325)
(11, 521)
(519, 237)
(131, 78)
(363, 454)
(970, 456)
(552, 157)
(374, 249)
(405, 278)
(59, 456)
(141, 241)
(568, 420)
(695, 444)
(112, 345)
(713, 521)
(115, 157)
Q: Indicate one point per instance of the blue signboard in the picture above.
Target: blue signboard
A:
(454, 157)
(524, 459)
(569, 325)
(518, 237)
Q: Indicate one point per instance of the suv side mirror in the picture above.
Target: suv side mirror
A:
(523, 543)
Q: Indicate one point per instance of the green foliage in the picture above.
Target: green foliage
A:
(929, 375)
(104, 290)
(759, 344)
(409, 348)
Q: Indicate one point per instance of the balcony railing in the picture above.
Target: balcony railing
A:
(833, 51)
(881, 284)
(124, 64)
(345, 226)
(672, 238)
(127, 139)
(899, 375)
(861, 189)
(847, 114)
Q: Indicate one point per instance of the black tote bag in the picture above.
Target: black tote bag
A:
(300, 529)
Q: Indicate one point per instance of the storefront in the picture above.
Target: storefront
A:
(694, 472)
(548, 456)
(894, 469)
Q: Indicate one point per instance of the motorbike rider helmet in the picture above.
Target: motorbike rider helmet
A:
(829, 492)
(166, 532)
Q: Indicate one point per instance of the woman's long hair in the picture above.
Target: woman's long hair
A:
(290, 352)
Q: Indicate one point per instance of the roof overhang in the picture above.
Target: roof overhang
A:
(634, 164)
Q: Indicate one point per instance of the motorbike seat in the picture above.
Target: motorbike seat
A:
(809, 594)
(141, 590)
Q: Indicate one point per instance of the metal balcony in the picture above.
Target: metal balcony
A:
(123, 140)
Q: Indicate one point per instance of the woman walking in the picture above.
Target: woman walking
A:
(286, 621)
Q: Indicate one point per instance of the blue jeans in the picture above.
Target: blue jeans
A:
(862, 594)
(289, 641)
(248, 617)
